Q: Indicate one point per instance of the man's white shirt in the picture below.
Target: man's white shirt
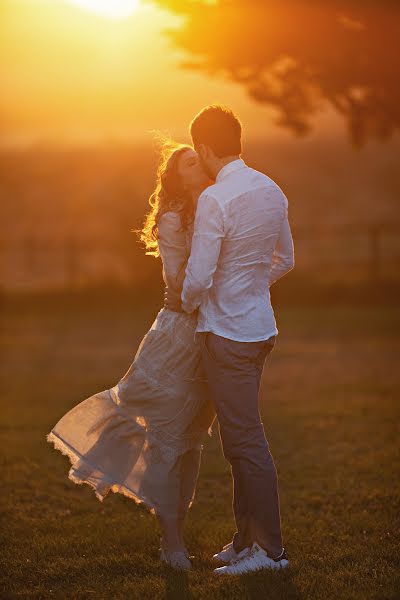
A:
(241, 245)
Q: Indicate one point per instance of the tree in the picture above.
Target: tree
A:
(297, 55)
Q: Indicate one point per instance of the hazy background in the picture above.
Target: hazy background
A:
(84, 87)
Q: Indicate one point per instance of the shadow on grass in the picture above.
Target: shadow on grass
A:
(270, 586)
(177, 585)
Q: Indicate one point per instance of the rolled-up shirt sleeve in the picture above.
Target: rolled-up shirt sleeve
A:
(283, 255)
(208, 232)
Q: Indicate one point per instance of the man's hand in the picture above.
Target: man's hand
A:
(172, 300)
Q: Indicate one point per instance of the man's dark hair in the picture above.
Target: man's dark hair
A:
(219, 128)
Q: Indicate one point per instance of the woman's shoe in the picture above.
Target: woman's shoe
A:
(176, 560)
(185, 551)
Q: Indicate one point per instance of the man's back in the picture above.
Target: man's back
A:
(243, 216)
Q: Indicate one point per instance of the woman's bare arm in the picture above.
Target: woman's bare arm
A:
(175, 283)
(172, 245)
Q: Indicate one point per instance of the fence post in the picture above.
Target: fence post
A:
(375, 252)
(29, 253)
(71, 261)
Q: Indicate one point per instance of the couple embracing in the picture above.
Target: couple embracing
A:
(221, 229)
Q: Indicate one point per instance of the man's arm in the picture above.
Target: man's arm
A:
(283, 256)
(207, 237)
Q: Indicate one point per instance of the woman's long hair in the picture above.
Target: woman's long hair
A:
(169, 194)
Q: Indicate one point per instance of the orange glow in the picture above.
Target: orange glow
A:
(99, 69)
(68, 72)
(117, 9)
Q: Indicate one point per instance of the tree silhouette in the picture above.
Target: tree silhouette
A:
(297, 55)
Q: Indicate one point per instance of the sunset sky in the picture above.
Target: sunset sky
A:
(92, 69)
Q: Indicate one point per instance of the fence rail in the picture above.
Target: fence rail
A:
(35, 262)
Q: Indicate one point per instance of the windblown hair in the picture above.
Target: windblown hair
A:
(169, 194)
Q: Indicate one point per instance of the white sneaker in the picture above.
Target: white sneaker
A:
(229, 554)
(256, 560)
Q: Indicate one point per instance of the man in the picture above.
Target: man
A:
(241, 245)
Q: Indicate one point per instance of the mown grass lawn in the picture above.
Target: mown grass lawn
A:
(330, 408)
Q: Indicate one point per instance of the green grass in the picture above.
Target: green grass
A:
(330, 409)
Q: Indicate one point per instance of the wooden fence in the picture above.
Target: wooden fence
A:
(372, 251)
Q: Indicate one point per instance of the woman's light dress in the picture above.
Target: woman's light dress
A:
(133, 437)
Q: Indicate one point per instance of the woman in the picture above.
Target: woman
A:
(143, 436)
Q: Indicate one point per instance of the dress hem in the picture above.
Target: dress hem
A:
(74, 456)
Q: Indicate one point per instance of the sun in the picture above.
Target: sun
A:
(112, 9)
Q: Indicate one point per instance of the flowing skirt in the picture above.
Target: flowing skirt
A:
(132, 437)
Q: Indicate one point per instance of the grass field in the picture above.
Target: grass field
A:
(330, 408)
